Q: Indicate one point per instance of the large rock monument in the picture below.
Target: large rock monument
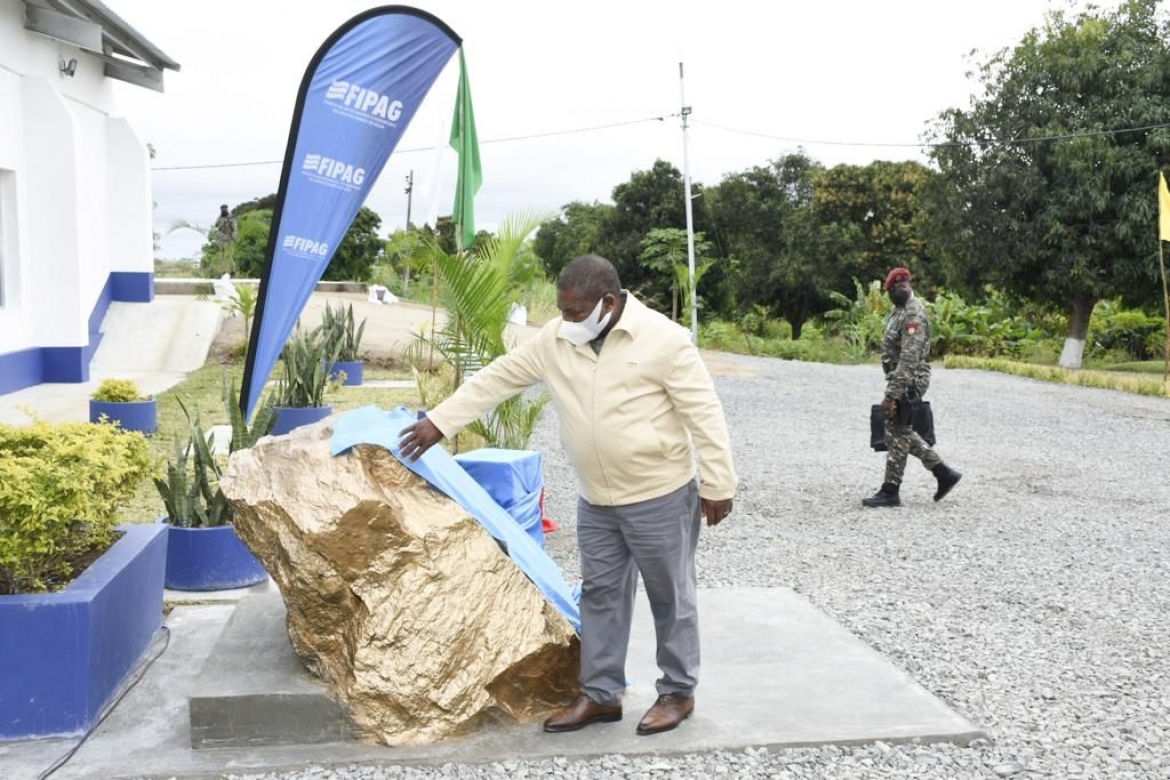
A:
(410, 611)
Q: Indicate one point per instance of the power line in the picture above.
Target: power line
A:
(509, 139)
(724, 128)
(924, 145)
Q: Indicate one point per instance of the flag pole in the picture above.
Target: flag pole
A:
(1166, 304)
(1164, 236)
(686, 112)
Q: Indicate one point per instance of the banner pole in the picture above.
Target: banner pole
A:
(1166, 304)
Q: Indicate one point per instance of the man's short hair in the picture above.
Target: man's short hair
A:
(592, 276)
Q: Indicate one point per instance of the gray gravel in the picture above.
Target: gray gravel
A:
(1035, 600)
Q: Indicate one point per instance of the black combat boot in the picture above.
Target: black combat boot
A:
(887, 496)
(947, 478)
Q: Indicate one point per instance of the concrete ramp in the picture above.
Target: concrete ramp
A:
(168, 335)
(155, 344)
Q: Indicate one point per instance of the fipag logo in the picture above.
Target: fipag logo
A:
(366, 105)
(305, 248)
(333, 173)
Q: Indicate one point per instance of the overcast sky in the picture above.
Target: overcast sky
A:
(851, 81)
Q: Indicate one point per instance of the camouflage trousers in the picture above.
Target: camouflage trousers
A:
(901, 440)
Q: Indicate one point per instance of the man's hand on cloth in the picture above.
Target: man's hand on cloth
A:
(417, 438)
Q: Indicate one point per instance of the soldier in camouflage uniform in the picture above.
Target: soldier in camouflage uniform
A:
(225, 227)
(906, 361)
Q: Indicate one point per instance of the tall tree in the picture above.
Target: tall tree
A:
(1066, 221)
(761, 222)
(650, 199)
(869, 219)
(359, 250)
(573, 233)
(665, 251)
(252, 242)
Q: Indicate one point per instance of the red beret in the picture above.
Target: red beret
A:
(897, 275)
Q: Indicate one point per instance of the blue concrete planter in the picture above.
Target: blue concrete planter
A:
(210, 559)
(353, 371)
(288, 418)
(133, 415)
(64, 655)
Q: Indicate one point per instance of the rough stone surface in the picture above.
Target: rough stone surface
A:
(397, 597)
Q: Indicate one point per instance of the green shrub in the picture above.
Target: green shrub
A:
(190, 492)
(304, 379)
(861, 321)
(60, 489)
(118, 391)
(1118, 335)
(340, 336)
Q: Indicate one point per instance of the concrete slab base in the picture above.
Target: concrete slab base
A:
(254, 690)
(777, 672)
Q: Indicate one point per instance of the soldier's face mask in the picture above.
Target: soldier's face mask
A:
(899, 295)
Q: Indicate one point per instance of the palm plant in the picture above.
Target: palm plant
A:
(243, 301)
(218, 255)
(480, 288)
(860, 321)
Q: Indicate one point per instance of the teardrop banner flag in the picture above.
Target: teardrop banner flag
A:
(359, 93)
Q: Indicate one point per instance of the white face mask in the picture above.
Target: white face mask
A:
(583, 332)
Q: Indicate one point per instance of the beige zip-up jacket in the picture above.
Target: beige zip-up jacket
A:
(628, 415)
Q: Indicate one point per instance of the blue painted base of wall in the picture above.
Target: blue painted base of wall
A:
(29, 367)
(210, 559)
(288, 419)
(65, 654)
(132, 287)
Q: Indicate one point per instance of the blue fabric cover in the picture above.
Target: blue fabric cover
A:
(514, 478)
(372, 425)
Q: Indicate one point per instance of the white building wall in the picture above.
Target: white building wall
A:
(50, 272)
(93, 193)
(129, 215)
(16, 330)
(80, 181)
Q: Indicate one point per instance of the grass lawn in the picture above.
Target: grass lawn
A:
(202, 393)
(1127, 381)
(1141, 367)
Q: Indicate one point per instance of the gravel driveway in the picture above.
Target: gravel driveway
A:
(1035, 599)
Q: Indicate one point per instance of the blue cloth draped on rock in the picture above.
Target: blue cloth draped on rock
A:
(372, 425)
(514, 479)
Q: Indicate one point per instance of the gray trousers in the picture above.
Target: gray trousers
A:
(657, 538)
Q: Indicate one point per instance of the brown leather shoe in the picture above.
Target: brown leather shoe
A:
(581, 713)
(669, 711)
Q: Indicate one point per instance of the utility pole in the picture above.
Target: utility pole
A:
(409, 197)
(686, 112)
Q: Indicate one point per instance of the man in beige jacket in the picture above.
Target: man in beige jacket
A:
(635, 403)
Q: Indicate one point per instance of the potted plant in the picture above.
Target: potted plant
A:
(343, 340)
(81, 598)
(300, 388)
(119, 401)
(203, 550)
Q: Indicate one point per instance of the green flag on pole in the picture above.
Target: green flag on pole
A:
(465, 142)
